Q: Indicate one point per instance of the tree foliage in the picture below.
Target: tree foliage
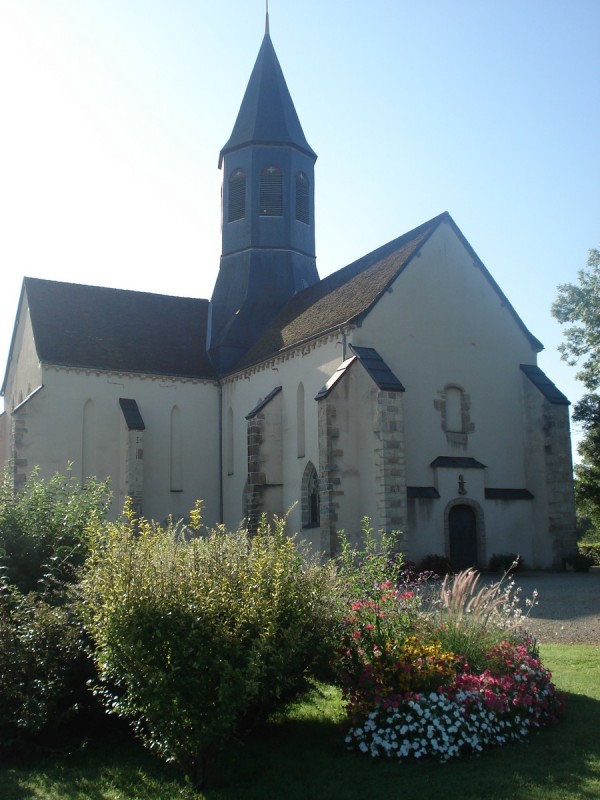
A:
(587, 472)
(578, 306)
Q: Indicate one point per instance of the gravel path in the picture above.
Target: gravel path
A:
(568, 606)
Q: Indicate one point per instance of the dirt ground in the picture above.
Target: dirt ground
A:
(568, 606)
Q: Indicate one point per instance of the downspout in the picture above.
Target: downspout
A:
(220, 452)
(344, 342)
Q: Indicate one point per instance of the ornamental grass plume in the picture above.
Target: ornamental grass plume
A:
(469, 619)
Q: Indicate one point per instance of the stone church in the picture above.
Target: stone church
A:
(403, 387)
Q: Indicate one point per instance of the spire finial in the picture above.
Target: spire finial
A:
(267, 19)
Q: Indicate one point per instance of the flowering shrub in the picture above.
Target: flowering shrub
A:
(502, 704)
(381, 658)
(516, 684)
(439, 668)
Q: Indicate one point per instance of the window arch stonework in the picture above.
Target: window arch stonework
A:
(454, 405)
(311, 500)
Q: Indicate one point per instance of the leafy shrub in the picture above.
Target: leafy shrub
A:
(363, 569)
(435, 564)
(197, 639)
(578, 562)
(43, 540)
(591, 550)
(43, 527)
(39, 652)
(506, 562)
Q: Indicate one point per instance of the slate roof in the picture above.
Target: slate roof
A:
(375, 366)
(457, 462)
(379, 371)
(544, 384)
(267, 114)
(114, 329)
(346, 296)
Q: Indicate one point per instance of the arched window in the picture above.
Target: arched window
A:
(302, 198)
(311, 504)
(229, 442)
(300, 435)
(237, 195)
(88, 441)
(176, 451)
(271, 192)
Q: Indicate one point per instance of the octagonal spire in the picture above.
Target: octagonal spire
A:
(267, 114)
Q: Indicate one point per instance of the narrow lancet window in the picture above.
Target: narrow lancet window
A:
(311, 505)
(176, 454)
(300, 432)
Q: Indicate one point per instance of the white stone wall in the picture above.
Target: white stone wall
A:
(313, 366)
(443, 325)
(50, 433)
(23, 371)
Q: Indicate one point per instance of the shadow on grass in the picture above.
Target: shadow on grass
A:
(304, 759)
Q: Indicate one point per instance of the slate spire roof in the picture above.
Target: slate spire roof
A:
(267, 114)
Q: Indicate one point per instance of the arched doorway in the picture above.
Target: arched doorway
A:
(462, 530)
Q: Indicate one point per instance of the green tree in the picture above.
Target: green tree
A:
(578, 306)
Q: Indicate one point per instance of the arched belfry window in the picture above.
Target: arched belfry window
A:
(237, 195)
(271, 192)
(302, 198)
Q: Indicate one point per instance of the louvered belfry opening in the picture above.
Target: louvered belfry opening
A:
(237, 195)
(271, 192)
(302, 198)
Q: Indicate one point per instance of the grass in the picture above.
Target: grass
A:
(300, 756)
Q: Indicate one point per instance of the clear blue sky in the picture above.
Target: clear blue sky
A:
(114, 111)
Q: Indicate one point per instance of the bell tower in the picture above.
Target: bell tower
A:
(268, 227)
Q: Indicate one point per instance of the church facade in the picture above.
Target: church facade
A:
(403, 387)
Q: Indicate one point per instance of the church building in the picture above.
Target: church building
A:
(403, 387)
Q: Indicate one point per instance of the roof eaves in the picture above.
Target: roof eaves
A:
(457, 462)
(542, 382)
(12, 340)
(336, 377)
(377, 369)
(259, 407)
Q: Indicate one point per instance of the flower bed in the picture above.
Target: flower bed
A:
(408, 684)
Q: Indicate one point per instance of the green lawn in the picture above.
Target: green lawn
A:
(301, 757)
